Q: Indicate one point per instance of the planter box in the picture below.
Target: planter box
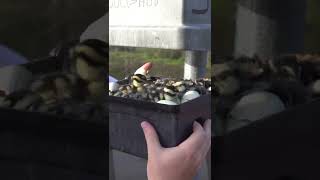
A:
(172, 123)
(34, 143)
(38, 146)
(283, 146)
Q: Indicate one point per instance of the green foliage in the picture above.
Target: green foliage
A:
(34, 27)
(166, 63)
(312, 35)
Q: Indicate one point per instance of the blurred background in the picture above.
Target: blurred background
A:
(166, 63)
(170, 63)
(34, 27)
(224, 26)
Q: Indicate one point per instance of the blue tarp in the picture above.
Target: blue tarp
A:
(112, 79)
(10, 57)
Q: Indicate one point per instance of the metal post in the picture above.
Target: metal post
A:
(111, 166)
(195, 64)
(195, 67)
(269, 28)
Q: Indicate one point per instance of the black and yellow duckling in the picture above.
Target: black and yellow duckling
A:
(141, 86)
(90, 64)
(179, 86)
(138, 80)
(248, 68)
(13, 99)
(171, 94)
(45, 90)
(287, 67)
(90, 60)
(223, 76)
(54, 87)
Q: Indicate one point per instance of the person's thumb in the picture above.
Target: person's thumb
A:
(151, 137)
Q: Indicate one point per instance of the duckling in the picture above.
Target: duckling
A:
(170, 94)
(53, 87)
(180, 86)
(92, 50)
(11, 99)
(224, 79)
(90, 59)
(90, 64)
(97, 88)
(287, 67)
(138, 80)
(62, 52)
(248, 68)
(29, 102)
(310, 64)
(314, 88)
(45, 88)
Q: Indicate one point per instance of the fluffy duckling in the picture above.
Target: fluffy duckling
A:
(224, 79)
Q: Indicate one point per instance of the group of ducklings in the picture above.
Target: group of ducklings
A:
(141, 86)
(74, 90)
(245, 88)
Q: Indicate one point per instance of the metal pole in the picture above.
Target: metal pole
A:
(195, 64)
(269, 28)
(195, 67)
(111, 166)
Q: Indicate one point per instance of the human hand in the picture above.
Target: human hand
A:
(181, 162)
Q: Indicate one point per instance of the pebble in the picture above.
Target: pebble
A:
(153, 89)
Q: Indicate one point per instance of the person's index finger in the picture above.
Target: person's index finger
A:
(151, 137)
(197, 127)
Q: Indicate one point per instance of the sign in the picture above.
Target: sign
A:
(168, 24)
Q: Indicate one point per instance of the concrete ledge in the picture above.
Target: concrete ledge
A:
(172, 37)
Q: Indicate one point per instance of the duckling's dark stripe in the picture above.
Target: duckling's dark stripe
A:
(172, 88)
(88, 59)
(137, 79)
(170, 94)
(140, 76)
(99, 46)
(95, 43)
(90, 51)
(99, 51)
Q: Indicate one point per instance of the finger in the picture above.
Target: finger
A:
(197, 127)
(204, 135)
(151, 137)
(207, 143)
(207, 127)
(195, 140)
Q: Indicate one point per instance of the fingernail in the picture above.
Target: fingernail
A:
(143, 124)
(195, 123)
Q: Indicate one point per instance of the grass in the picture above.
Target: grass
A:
(166, 63)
